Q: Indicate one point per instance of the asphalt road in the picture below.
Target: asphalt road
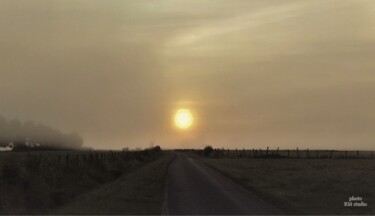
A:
(196, 189)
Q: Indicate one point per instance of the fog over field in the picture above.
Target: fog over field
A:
(255, 73)
(36, 135)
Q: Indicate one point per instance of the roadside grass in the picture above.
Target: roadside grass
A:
(305, 186)
(138, 193)
(35, 183)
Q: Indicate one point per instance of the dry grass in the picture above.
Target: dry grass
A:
(305, 186)
(139, 193)
(36, 183)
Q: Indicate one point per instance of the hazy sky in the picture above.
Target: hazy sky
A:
(255, 73)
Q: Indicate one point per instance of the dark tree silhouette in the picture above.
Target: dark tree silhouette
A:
(207, 150)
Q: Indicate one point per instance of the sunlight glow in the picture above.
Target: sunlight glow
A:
(183, 119)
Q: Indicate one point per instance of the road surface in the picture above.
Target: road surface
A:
(196, 189)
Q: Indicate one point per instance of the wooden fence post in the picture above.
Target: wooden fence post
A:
(331, 154)
(357, 154)
(307, 153)
(254, 154)
(297, 153)
(288, 153)
(267, 152)
(277, 152)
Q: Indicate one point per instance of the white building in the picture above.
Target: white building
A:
(9, 147)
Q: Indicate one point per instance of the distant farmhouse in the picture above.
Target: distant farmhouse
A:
(9, 147)
(28, 144)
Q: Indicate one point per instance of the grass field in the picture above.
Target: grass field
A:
(139, 193)
(305, 186)
(40, 182)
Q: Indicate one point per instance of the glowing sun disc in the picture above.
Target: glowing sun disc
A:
(183, 119)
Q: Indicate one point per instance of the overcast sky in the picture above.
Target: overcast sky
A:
(255, 73)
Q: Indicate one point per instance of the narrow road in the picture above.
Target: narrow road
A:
(196, 189)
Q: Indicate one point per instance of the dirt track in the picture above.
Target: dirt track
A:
(194, 188)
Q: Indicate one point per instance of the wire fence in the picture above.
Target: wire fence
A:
(289, 153)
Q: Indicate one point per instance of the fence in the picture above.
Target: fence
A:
(292, 154)
(79, 158)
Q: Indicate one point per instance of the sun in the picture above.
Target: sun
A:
(183, 119)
